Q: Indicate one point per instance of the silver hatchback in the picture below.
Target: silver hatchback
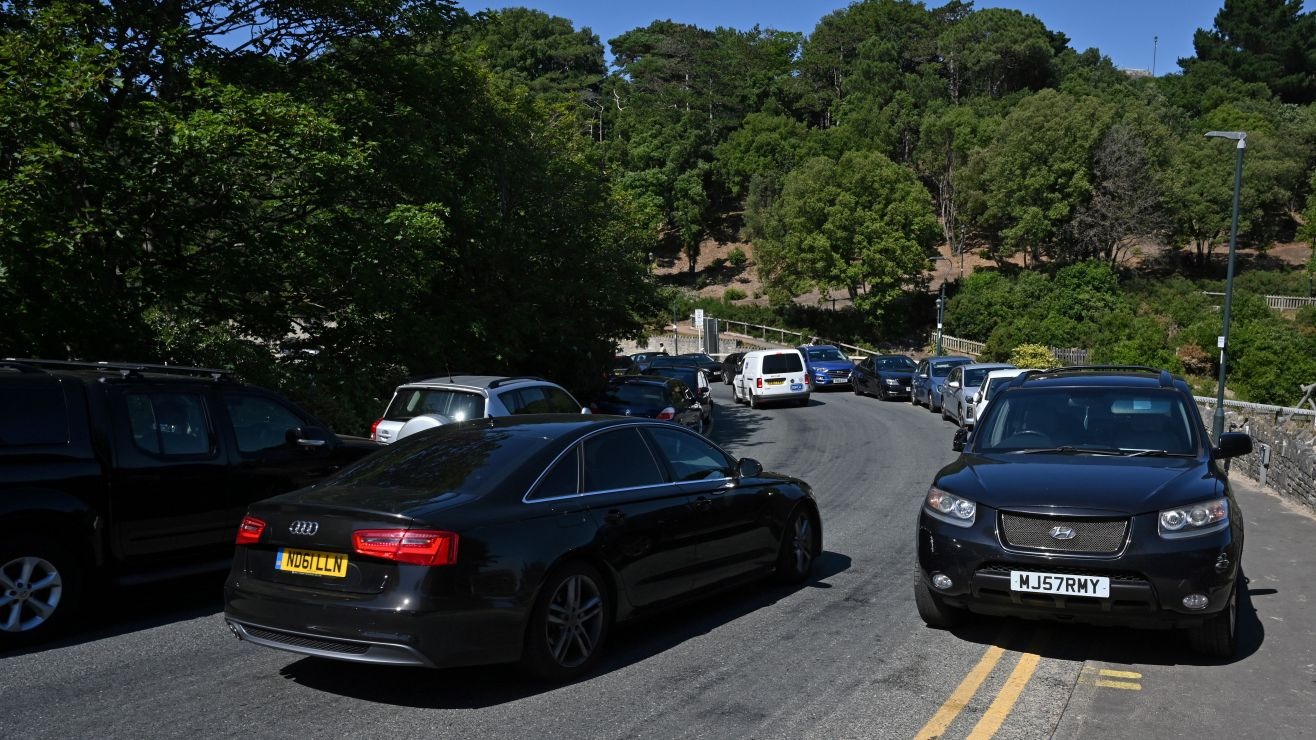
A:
(425, 404)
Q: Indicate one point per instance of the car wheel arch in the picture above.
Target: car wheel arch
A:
(621, 607)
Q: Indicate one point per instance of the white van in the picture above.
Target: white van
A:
(770, 375)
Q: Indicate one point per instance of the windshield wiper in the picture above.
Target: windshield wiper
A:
(1067, 450)
(1155, 453)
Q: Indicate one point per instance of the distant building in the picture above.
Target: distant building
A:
(1136, 73)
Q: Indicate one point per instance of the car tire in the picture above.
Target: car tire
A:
(799, 547)
(30, 615)
(1218, 635)
(932, 609)
(569, 623)
(753, 401)
(855, 388)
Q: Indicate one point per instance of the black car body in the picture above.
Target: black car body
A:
(731, 366)
(884, 376)
(690, 377)
(131, 472)
(510, 516)
(643, 359)
(652, 397)
(706, 363)
(623, 365)
(1092, 496)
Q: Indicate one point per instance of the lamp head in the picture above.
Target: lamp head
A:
(1239, 136)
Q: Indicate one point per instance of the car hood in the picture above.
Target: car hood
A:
(831, 364)
(896, 374)
(1079, 483)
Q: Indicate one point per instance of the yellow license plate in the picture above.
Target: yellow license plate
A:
(776, 381)
(311, 562)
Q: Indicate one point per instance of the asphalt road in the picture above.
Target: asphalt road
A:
(843, 656)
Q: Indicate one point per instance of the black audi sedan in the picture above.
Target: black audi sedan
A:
(884, 376)
(653, 397)
(1090, 495)
(511, 539)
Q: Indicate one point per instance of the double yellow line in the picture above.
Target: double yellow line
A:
(995, 715)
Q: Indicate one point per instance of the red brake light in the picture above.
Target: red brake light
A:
(374, 429)
(806, 377)
(758, 382)
(667, 414)
(415, 546)
(249, 530)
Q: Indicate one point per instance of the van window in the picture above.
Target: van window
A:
(786, 362)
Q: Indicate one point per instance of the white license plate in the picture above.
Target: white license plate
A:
(797, 386)
(1050, 583)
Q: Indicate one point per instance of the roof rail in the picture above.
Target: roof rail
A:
(1101, 368)
(22, 366)
(504, 381)
(125, 368)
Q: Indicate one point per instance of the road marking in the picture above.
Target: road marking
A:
(1118, 674)
(995, 715)
(961, 696)
(1126, 685)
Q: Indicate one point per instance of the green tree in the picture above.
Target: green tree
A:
(1263, 41)
(545, 52)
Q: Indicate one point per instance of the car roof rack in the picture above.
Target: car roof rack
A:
(515, 379)
(1163, 377)
(124, 368)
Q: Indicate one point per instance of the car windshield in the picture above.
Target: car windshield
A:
(683, 374)
(943, 368)
(785, 362)
(699, 357)
(665, 361)
(974, 378)
(1089, 420)
(641, 395)
(826, 354)
(456, 405)
(894, 363)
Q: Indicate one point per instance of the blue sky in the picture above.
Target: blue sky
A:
(1122, 29)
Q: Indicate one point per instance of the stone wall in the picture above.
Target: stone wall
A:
(1290, 435)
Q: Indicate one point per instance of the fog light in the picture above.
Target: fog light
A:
(1195, 601)
(941, 581)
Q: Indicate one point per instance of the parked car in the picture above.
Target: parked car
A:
(960, 389)
(1088, 495)
(425, 404)
(623, 365)
(642, 359)
(731, 365)
(126, 473)
(992, 384)
(521, 539)
(827, 367)
(706, 363)
(697, 381)
(885, 376)
(652, 397)
(925, 388)
(772, 375)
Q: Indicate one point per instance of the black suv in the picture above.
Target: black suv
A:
(131, 473)
(1090, 495)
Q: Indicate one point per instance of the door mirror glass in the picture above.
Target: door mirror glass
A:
(1233, 444)
(960, 439)
(748, 468)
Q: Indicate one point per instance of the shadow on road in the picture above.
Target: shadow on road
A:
(1080, 642)
(629, 643)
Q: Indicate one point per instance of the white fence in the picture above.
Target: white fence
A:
(1278, 302)
(1066, 355)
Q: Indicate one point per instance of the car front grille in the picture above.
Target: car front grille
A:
(838, 373)
(1090, 536)
(310, 643)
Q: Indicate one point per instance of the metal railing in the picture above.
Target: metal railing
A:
(949, 344)
(1277, 302)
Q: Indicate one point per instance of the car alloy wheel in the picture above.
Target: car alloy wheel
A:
(30, 591)
(798, 547)
(569, 623)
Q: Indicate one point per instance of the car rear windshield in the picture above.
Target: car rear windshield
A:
(456, 405)
(446, 459)
(685, 375)
(1103, 419)
(782, 363)
(825, 354)
(942, 369)
(640, 395)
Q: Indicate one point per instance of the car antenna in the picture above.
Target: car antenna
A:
(448, 367)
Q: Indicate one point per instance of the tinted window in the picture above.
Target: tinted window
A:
(168, 423)
(618, 459)
(644, 395)
(541, 399)
(825, 353)
(895, 363)
(1094, 418)
(562, 480)
(33, 416)
(260, 423)
(942, 369)
(685, 375)
(975, 377)
(449, 458)
(786, 362)
(456, 405)
(689, 457)
(664, 361)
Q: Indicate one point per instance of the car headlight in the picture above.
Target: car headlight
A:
(1190, 521)
(950, 508)
(891, 381)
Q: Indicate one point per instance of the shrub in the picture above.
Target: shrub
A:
(1033, 355)
(737, 256)
(1306, 317)
(733, 294)
(718, 264)
(1194, 360)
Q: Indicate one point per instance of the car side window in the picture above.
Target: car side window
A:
(689, 457)
(618, 459)
(260, 423)
(562, 480)
(557, 401)
(31, 416)
(169, 423)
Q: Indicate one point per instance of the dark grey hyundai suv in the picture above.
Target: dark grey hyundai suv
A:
(1090, 495)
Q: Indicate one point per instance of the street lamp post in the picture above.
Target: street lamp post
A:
(1218, 422)
(941, 304)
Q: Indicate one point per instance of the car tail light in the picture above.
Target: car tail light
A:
(250, 530)
(415, 546)
(667, 414)
(806, 378)
(374, 429)
(758, 383)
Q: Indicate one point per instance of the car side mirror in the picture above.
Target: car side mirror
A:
(1232, 444)
(748, 467)
(305, 437)
(585, 410)
(961, 438)
(954, 384)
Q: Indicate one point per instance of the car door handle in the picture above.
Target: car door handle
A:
(703, 503)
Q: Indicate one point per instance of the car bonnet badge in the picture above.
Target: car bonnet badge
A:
(304, 527)
(1062, 533)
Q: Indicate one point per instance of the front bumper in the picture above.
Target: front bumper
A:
(829, 381)
(1149, 577)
